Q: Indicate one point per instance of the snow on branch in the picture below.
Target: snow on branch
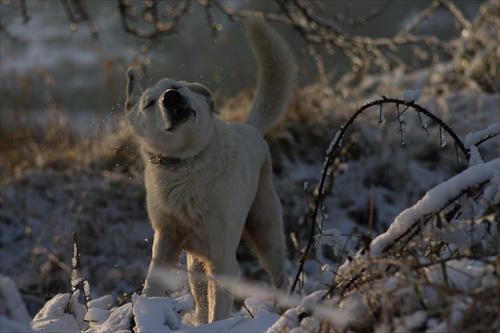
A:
(78, 281)
(474, 139)
(434, 201)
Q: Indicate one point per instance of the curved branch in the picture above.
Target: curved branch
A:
(335, 144)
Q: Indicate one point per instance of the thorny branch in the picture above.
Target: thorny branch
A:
(335, 145)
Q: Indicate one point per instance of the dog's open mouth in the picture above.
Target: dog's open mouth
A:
(176, 108)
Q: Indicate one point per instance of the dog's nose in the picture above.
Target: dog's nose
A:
(171, 98)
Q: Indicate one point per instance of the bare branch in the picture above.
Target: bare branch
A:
(149, 13)
(24, 11)
(365, 19)
(77, 12)
(155, 19)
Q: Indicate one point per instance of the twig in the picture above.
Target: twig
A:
(24, 11)
(77, 279)
(374, 13)
(76, 12)
(160, 28)
(126, 296)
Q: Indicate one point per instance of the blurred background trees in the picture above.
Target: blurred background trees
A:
(74, 52)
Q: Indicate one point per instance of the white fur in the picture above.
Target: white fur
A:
(216, 181)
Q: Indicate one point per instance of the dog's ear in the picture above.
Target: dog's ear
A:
(202, 90)
(133, 90)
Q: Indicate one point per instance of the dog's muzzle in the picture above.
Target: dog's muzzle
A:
(176, 108)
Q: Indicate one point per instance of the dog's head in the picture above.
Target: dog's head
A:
(171, 118)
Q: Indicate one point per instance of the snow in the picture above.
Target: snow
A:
(435, 199)
(13, 314)
(63, 313)
(96, 317)
(118, 321)
(464, 275)
(155, 314)
(473, 138)
(104, 303)
(261, 323)
(288, 321)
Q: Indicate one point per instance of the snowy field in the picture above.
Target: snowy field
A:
(406, 218)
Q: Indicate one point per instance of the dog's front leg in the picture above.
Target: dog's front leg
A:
(219, 299)
(199, 287)
(165, 256)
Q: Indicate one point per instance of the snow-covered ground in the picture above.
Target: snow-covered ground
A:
(407, 240)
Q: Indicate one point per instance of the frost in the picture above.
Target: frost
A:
(442, 137)
(334, 141)
(402, 131)
(381, 120)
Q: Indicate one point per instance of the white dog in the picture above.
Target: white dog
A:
(208, 182)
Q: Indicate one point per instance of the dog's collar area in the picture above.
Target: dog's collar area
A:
(164, 160)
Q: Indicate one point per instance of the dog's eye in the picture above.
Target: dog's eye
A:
(149, 103)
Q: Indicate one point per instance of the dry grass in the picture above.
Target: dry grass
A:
(50, 142)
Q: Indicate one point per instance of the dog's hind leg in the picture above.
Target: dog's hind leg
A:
(199, 287)
(165, 256)
(264, 230)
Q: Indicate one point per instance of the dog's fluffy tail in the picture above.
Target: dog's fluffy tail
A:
(276, 74)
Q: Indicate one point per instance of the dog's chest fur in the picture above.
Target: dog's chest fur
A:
(176, 190)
